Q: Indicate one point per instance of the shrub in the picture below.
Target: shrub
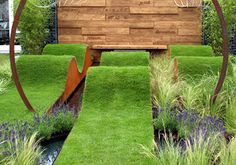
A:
(211, 23)
(33, 27)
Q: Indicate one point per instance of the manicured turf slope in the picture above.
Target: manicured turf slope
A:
(125, 59)
(191, 50)
(198, 66)
(77, 50)
(116, 119)
(43, 79)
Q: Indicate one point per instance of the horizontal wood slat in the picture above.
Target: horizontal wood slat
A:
(135, 47)
(128, 22)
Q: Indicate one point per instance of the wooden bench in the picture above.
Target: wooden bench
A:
(96, 50)
(129, 47)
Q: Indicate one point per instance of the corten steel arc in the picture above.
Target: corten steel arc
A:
(225, 51)
(12, 56)
(25, 99)
(74, 77)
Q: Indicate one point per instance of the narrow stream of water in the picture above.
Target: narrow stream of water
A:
(51, 152)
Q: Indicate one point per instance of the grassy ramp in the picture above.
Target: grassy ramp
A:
(125, 59)
(195, 67)
(43, 79)
(191, 50)
(116, 118)
(77, 50)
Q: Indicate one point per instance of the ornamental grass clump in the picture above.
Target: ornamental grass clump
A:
(25, 152)
(3, 85)
(190, 96)
(230, 117)
(169, 153)
(200, 150)
(164, 87)
(227, 153)
(5, 70)
(5, 76)
(197, 151)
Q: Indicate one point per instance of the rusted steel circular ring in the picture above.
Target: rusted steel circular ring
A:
(12, 56)
(27, 102)
(225, 52)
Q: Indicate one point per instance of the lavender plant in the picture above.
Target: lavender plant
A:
(46, 126)
(59, 122)
(188, 124)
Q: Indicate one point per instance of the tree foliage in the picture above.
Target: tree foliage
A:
(33, 27)
(211, 23)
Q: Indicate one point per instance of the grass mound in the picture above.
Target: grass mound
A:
(115, 120)
(125, 59)
(43, 79)
(191, 50)
(196, 67)
(43, 69)
(77, 50)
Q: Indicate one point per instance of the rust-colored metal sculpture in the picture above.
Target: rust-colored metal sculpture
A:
(31, 109)
(12, 56)
(225, 51)
(74, 76)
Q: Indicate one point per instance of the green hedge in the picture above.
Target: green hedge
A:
(77, 50)
(43, 79)
(197, 66)
(191, 50)
(115, 120)
(125, 59)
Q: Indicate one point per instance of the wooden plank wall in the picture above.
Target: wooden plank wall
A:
(128, 22)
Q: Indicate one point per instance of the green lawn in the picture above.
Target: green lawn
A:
(4, 58)
(77, 50)
(43, 79)
(195, 67)
(191, 50)
(125, 59)
(116, 118)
